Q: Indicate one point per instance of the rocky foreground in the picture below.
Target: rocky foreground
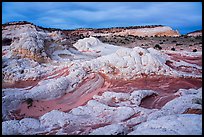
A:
(51, 86)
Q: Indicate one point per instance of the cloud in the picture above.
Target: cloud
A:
(71, 15)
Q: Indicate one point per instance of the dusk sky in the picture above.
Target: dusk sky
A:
(182, 16)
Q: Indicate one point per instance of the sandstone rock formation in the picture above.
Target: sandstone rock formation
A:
(51, 86)
(195, 33)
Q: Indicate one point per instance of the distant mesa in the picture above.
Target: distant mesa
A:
(147, 30)
(195, 33)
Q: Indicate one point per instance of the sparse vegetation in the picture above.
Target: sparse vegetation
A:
(173, 49)
(29, 102)
(140, 53)
(195, 50)
(22, 71)
(177, 44)
(157, 46)
(6, 41)
(127, 39)
(140, 41)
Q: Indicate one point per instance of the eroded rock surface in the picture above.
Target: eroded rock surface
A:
(53, 87)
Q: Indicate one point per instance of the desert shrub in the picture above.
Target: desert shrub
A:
(190, 45)
(174, 41)
(129, 35)
(81, 36)
(161, 43)
(157, 46)
(140, 53)
(195, 50)
(173, 49)
(177, 44)
(29, 102)
(22, 71)
(127, 39)
(7, 41)
(198, 37)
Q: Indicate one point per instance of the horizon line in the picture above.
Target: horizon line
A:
(29, 22)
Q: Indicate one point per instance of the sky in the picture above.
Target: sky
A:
(182, 16)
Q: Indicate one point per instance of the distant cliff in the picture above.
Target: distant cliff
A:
(149, 30)
(195, 33)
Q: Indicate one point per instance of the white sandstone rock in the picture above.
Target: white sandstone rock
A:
(181, 124)
(114, 129)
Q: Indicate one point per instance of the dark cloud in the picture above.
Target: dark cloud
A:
(183, 16)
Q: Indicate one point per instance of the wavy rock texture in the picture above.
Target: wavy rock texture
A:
(53, 87)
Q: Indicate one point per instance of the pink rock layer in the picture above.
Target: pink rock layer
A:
(96, 84)
(193, 60)
(187, 69)
(89, 87)
(164, 85)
